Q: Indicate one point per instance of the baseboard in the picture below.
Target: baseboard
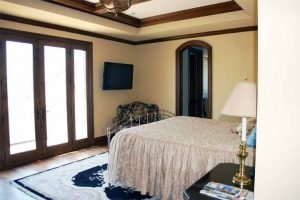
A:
(100, 141)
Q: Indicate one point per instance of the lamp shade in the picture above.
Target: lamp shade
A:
(242, 101)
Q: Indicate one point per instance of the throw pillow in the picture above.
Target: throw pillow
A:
(251, 139)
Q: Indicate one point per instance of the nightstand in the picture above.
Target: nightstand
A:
(222, 173)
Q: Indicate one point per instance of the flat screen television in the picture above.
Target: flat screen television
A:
(117, 76)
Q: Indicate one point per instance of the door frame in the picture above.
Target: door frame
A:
(198, 70)
(2, 77)
(179, 50)
(6, 159)
(62, 147)
(15, 159)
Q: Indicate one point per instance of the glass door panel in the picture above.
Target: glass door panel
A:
(20, 91)
(80, 94)
(55, 93)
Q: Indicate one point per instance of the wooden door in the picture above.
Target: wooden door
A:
(45, 97)
(190, 99)
(20, 120)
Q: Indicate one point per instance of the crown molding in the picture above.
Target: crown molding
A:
(115, 39)
(98, 10)
(61, 28)
(213, 9)
(202, 34)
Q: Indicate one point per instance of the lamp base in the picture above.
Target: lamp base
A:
(241, 180)
(240, 177)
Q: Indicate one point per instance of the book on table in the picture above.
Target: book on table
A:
(226, 192)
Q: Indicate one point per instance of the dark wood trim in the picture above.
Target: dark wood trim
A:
(100, 11)
(21, 158)
(90, 93)
(96, 10)
(61, 28)
(83, 2)
(4, 104)
(42, 151)
(179, 51)
(65, 147)
(16, 34)
(134, 2)
(97, 35)
(210, 85)
(58, 149)
(194, 35)
(2, 135)
(122, 18)
(39, 98)
(100, 141)
(42, 137)
(213, 9)
(74, 4)
(70, 92)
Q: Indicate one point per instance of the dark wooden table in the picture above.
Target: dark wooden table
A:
(222, 173)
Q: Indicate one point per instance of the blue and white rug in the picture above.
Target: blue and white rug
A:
(81, 180)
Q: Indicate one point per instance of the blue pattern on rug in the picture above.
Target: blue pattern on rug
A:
(84, 179)
(117, 192)
(94, 177)
(90, 178)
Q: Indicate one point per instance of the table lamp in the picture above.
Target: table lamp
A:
(242, 103)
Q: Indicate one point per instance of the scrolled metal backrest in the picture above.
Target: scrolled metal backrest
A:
(137, 120)
(136, 114)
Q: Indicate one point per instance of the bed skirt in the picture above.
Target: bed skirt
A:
(163, 168)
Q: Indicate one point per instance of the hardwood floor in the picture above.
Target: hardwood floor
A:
(9, 192)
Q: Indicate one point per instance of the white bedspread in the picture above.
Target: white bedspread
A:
(165, 157)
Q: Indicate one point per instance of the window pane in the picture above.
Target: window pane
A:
(80, 94)
(55, 89)
(19, 62)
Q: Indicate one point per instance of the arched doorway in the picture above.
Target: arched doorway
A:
(194, 79)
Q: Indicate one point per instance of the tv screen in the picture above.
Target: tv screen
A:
(117, 76)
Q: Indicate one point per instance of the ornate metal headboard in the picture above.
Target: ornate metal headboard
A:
(150, 113)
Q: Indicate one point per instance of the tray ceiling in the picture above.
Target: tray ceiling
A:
(146, 19)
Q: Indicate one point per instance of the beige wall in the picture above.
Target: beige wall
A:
(105, 102)
(278, 130)
(234, 57)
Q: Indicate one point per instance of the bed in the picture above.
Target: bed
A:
(165, 157)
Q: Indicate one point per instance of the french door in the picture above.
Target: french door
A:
(46, 98)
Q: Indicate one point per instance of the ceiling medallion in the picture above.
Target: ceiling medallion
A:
(116, 6)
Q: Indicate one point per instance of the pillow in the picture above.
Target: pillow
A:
(251, 139)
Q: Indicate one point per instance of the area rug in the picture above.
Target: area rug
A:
(80, 180)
